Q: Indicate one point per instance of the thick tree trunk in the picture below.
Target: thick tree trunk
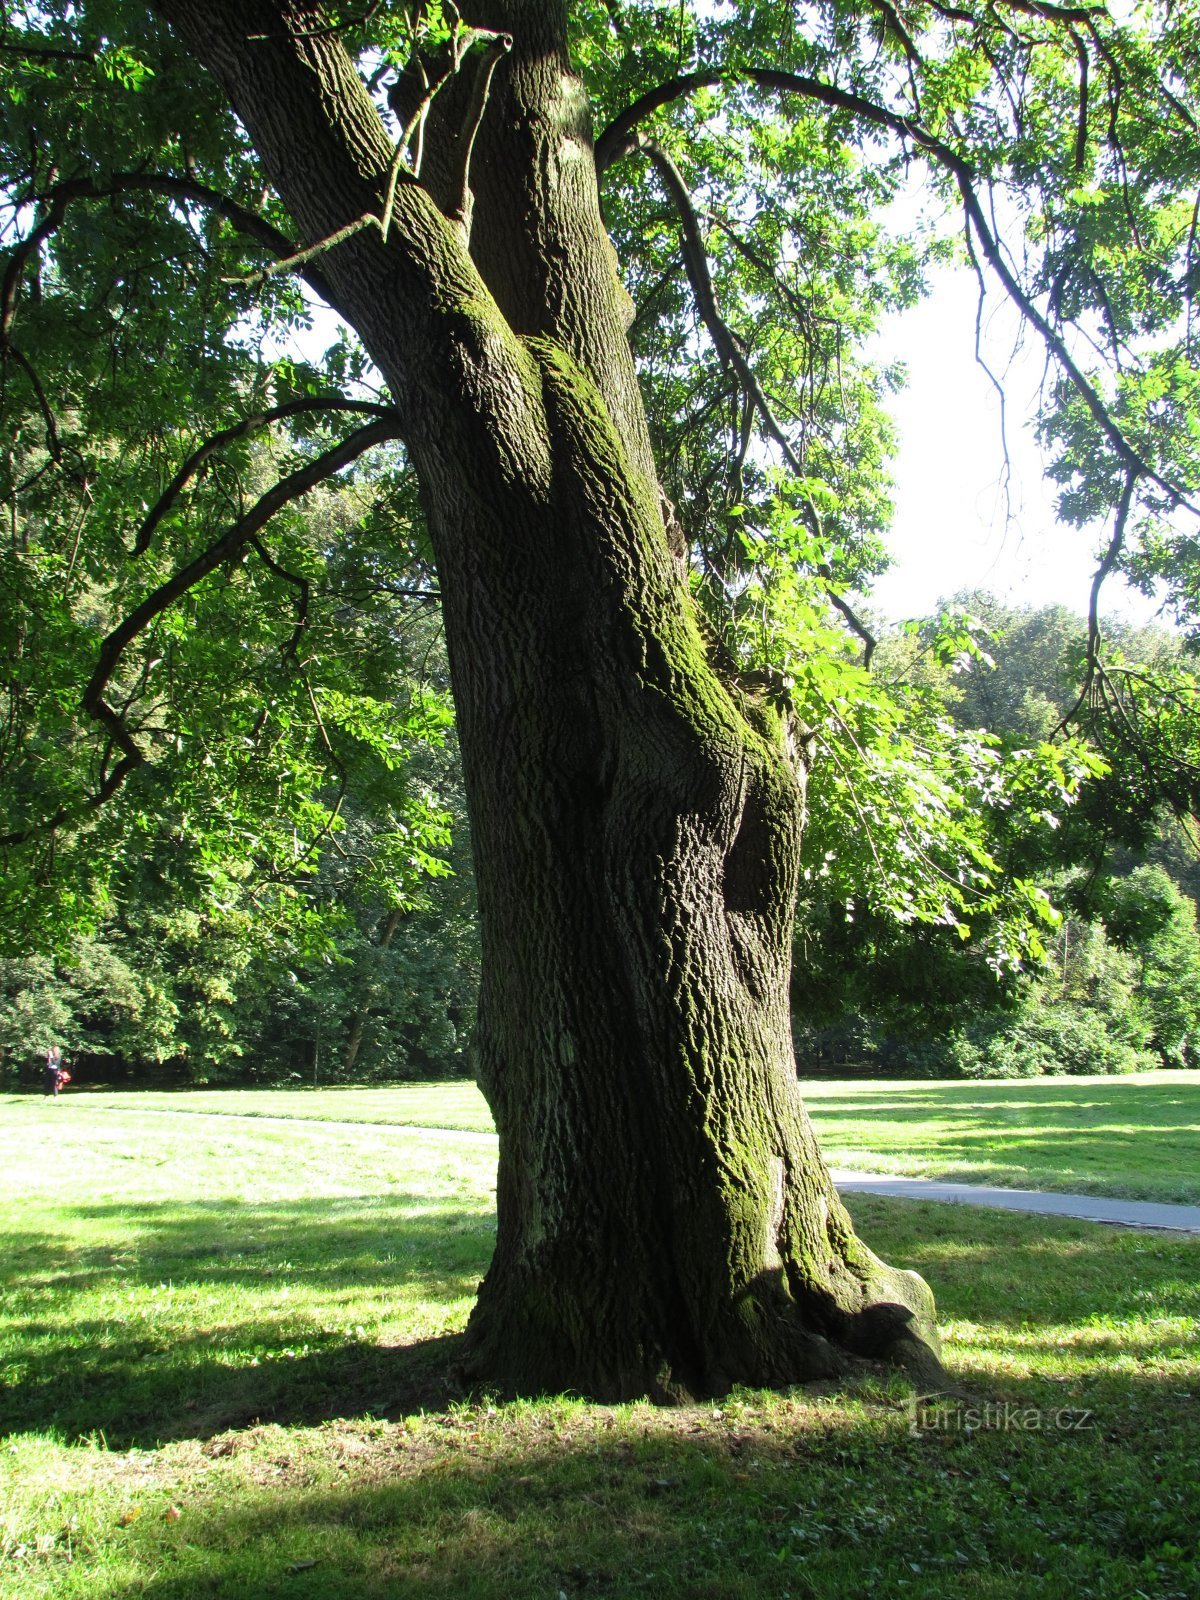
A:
(666, 1224)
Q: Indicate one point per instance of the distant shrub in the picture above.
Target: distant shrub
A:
(1049, 1040)
(1042, 1039)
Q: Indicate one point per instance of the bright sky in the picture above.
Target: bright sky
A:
(951, 530)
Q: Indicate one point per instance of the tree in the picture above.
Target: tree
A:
(635, 779)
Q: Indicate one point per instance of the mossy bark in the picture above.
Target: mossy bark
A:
(665, 1222)
(666, 1225)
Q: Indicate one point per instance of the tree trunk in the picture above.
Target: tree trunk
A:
(666, 1225)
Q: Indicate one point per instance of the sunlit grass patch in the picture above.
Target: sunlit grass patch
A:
(225, 1360)
(455, 1104)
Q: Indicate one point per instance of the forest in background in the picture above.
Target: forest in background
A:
(371, 978)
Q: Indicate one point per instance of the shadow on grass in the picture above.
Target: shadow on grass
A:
(187, 1321)
(813, 1504)
(197, 1319)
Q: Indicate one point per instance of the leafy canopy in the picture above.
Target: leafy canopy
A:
(207, 648)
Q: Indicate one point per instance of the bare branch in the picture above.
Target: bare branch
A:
(21, 255)
(495, 52)
(300, 584)
(308, 253)
(1115, 545)
(231, 541)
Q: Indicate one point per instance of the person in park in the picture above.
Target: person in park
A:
(611, 263)
(56, 1074)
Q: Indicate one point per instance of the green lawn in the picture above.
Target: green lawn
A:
(224, 1345)
(1136, 1136)
(454, 1104)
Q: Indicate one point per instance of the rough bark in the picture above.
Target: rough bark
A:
(665, 1222)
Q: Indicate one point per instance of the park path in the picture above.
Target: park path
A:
(1039, 1202)
(1085, 1207)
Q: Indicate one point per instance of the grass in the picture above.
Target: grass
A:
(456, 1103)
(1137, 1137)
(223, 1345)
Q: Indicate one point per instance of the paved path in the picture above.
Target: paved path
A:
(1087, 1207)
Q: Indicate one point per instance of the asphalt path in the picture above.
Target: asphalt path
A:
(1085, 1207)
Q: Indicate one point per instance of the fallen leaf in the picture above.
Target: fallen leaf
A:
(172, 1514)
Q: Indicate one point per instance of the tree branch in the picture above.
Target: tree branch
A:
(307, 253)
(14, 271)
(620, 137)
(114, 645)
(28, 52)
(329, 30)
(729, 349)
(231, 541)
(187, 190)
(299, 583)
(240, 430)
(1115, 544)
(495, 52)
(10, 352)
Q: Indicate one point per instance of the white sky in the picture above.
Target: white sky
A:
(951, 531)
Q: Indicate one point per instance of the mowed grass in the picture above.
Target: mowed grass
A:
(1138, 1136)
(224, 1348)
(456, 1103)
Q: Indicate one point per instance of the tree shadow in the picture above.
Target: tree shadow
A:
(570, 1504)
(102, 1352)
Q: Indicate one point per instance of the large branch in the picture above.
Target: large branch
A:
(235, 538)
(186, 190)
(414, 296)
(223, 549)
